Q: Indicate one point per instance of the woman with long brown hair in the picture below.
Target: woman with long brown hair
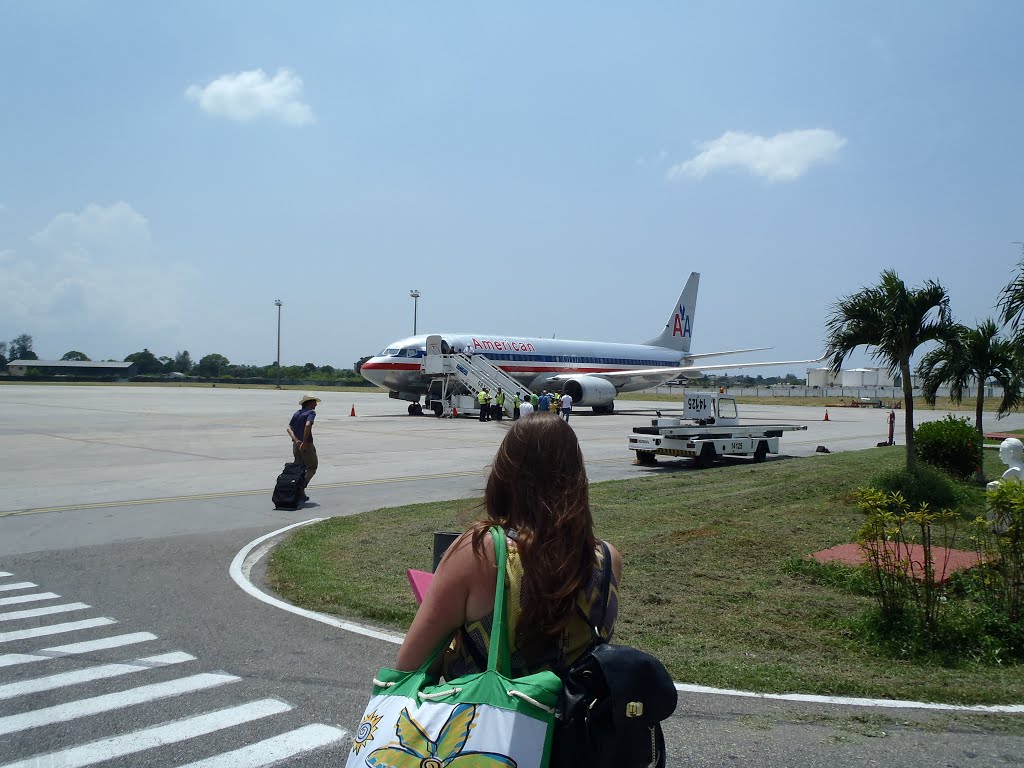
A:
(555, 590)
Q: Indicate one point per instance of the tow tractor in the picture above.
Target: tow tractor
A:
(710, 428)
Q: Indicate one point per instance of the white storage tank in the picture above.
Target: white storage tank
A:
(820, 377)
(860, 377)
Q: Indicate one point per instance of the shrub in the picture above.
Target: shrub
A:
(925, 485)
(1006, 546)
(950, 444)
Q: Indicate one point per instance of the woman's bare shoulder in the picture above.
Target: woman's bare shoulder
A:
(616, 561)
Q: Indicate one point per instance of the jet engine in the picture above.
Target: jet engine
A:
(594, 391)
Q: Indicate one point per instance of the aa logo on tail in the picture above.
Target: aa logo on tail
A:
(682, 323)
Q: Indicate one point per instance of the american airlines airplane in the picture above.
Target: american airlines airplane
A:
(593, 372)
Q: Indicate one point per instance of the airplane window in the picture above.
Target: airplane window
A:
(389, 352)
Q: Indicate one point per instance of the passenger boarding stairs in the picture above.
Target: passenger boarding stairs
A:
(474, 372)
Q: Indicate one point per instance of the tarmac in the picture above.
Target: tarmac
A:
(132, 504)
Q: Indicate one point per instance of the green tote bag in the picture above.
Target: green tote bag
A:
(483, 720)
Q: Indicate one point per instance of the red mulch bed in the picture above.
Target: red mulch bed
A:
(853, 554)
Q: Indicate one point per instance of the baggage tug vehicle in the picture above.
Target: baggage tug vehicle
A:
(710, 428)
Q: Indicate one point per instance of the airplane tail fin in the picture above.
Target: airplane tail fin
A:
(679, 328)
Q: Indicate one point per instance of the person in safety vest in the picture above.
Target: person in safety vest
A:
(499, 405)
(484, 400)
(516, 402)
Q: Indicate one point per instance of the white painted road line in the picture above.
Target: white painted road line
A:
(270, 751)
(5, 574)
(27, 598)
(15, 615)
(117, 641)
(61, 713)
(18, 585)
(852, 701)
(101, 672)
(242, 564)
(54, 629)
(159, 735)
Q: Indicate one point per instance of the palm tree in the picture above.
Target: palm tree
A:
(895, 321)
(974, 355)
(1011, 302)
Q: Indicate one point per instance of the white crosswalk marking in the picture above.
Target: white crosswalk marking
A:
(270, 751)
(108, 703)
(47, 611)
(111, 701)
(118, 641)
(27, 598)
(54, 629)
(19, 585)
(89, 674)
(169, 733)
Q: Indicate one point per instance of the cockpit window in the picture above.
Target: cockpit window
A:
(389, 352)
(410, 352)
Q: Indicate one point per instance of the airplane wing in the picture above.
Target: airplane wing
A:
(730, 352)
(652, 377)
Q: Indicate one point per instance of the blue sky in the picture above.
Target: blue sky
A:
(168, 170)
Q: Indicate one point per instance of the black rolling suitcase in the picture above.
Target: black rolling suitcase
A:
(288, 491)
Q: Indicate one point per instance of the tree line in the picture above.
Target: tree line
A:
(212, 366)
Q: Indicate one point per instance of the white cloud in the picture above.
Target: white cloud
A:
(782, 157)
(245, 96)
(93, 279)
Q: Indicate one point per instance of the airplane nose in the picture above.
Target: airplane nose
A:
(372, 374)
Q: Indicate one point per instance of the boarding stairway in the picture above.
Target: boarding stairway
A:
(472, 372)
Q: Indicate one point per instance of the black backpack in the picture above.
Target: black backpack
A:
(613, 701)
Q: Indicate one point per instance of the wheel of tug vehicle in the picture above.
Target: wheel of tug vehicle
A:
(438, 409)
(707, 456)
(761, 452)
(646, 457)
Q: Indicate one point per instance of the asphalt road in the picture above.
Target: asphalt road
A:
(128, 643)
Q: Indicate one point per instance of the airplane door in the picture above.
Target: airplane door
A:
(433, 363)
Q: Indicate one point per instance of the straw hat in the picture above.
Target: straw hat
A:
(307, 397)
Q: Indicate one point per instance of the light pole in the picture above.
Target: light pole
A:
(415, 306)
(277, 303)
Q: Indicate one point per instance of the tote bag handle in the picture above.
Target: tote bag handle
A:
(498, 656)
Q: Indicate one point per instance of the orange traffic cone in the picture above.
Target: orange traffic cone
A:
(826, 415)
(353, 411)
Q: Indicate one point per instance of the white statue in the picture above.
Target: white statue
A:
(1011, 453)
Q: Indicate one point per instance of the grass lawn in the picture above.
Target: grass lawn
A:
(708, 583)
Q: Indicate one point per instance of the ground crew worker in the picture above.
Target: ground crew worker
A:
(484, 400)
(516, 402)
(499, 405)
(534, 399)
